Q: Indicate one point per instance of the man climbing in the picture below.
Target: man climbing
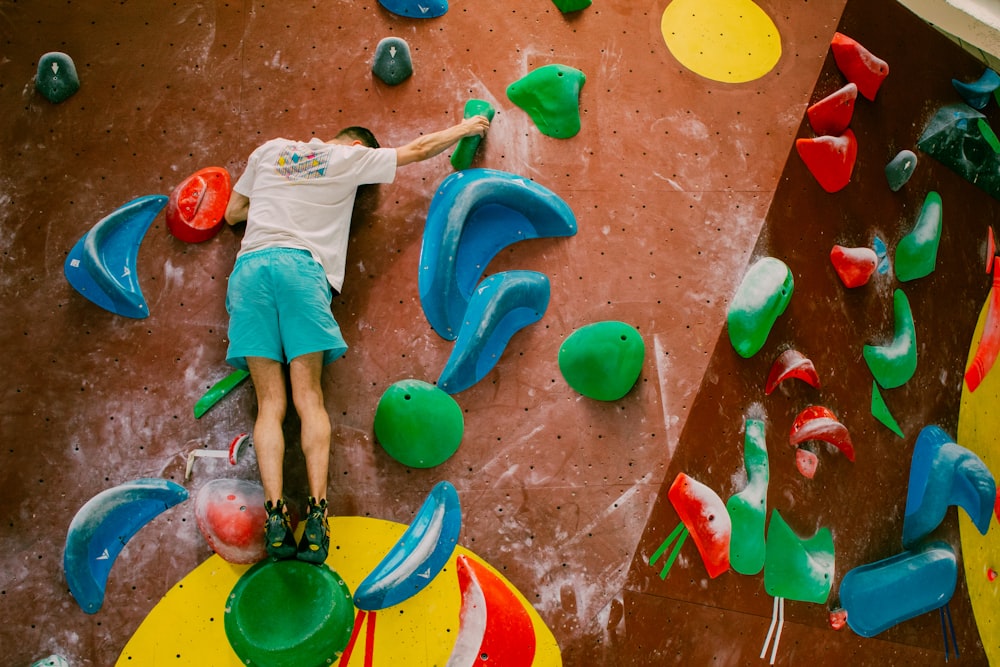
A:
(297, 199)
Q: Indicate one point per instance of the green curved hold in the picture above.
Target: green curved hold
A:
(881, 412)
(218, 391)
(418, 424)
(312, 627)
(916, 253)
(551, 96)
(602, 360)
(748, 508)
(798, 569)
(893, 365)
(760, 299)
(467, 146)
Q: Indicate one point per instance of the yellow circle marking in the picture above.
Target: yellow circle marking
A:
(186, 627)
(732, 41)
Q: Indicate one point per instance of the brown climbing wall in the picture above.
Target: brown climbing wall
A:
(671, 178)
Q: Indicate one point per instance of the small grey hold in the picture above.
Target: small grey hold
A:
(900, 168)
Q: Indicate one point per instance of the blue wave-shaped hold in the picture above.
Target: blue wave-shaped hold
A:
(502, 305)
(474, 214)
(101, 528)
(416, 9)
(942, 474)
(102, 264)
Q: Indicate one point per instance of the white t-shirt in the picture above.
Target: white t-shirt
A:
(302, 196)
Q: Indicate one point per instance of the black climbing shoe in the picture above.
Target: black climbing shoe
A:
(278, 538)
(315, 542)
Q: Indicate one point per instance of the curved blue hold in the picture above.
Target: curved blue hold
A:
(102, 264)
(880, 595)
(419, 554)
(474, 214)
(502, 305)
(942, 474)
(416, 9)
(101, 528)
(977, 93)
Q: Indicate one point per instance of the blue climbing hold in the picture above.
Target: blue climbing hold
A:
(502, 305)
(474, 214)
(416, 9)
(977, 93)
(943, 474)
(102, 264)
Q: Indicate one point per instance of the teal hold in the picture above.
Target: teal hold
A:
(56, 79)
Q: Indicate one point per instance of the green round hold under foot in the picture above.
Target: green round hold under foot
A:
(418, 424)
(602, 360)
(289, 614)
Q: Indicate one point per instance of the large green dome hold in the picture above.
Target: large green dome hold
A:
(602, 360)
(418, 424)
(289, 614)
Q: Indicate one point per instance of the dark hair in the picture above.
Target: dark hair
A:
(358, 133)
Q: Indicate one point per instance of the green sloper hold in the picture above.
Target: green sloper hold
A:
(56, 78)
(315, 620)
(551, 96)
(916, 253)
(893, 364)
(602, 360)
(748, 508)
(760, 299)
(467, 146)
(881, 412)
(418, 424)
(798, 569)
(566, 6)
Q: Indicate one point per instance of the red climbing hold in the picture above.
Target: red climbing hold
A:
(832, 114)
(819, 423)
(991, 249)
(989, 343)
(838, 618)
(830, 159)
(196, 206)
(704, 515)
(859, 65)
(230, 515)
(791, 364)
(806, 462)
(854, 266)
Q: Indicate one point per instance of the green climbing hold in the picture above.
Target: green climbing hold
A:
(795, 568)
(551, 97)
(893, 365)
(748, 508)
(881, 412)
(289, 614)
(760, 299)
(602, 360)
(566, 6)
(56, 79)
(418, 424)
(467, 146)
(916, 253)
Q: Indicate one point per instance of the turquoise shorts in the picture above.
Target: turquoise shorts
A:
(278, 301)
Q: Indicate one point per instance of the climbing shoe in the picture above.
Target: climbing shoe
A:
(315, 542)
(278, 538)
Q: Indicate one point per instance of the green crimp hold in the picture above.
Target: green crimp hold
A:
(566, 6)
(602, 360)
(551, 96)
(219, 391)
(798, 569)
(881, 412)
(56, 79)
(748, 508)
(418, 424)
(761, 297)
(467, 146)
(916, 253)
(893, 365)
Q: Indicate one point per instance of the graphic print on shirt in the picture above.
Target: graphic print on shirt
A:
(298, 162)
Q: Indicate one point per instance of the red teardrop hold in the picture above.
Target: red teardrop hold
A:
(854, 266)
(832, 114)
(859, 65)
(830, 159)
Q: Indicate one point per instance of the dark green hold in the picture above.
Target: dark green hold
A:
(418, 424)
(392, 61)
(56, 79)
(551, 96)
(466, 149)
(566, 6)
(602, 360)
(960, 137)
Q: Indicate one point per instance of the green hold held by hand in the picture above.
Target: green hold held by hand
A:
(466, 149)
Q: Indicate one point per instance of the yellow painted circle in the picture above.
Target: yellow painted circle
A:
(186, 627)
(732, 41)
